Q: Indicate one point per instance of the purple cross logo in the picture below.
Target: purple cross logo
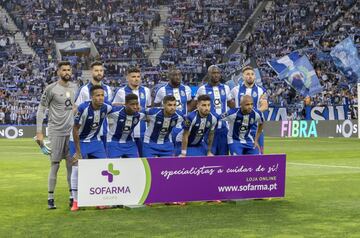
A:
(110, 172)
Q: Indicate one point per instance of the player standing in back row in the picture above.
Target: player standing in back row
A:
(58, 97)
(258, 93)
(181, 92)
(97, 71)
(134, 86)
(221, 100)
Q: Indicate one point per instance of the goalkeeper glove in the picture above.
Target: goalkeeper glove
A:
(45, 149)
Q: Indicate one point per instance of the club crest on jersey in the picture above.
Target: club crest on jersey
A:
(222, 92)
(182, 93)
(173, 123)
(254, 94)
(136, 120)
(252, 121)
(208, 124)
(103, 115)
(142, 96)
(187, 123)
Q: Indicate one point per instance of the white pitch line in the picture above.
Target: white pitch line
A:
(324, 165)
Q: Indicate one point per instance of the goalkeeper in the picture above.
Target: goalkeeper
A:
(58, 98)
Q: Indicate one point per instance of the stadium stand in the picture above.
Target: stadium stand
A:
(197, 35)
(311, 28)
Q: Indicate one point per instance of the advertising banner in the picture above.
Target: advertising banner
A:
(312, 128)
(19, 131)
(162, 180)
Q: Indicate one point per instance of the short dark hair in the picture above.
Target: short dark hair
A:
(131, 96)
(204, 97)
(133, 69)
(247, 67)
(96, 63)
(95, 87)
(62, 63)
(168, 98)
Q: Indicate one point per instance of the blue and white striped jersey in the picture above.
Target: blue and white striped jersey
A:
(90, 121)
(182, 95)
(197, 126)
(160, 127)
(219, 95)
(240, 125)
(255, 92)
(83, 94)
(144, 95)
(122, 125)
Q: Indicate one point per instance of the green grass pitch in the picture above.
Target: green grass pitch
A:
(322, 200)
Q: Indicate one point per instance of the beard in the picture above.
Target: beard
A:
(98, 78)
(66, 78)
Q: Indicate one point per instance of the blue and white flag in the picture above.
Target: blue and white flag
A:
(279, 65)
(302, 77)
(346, 59)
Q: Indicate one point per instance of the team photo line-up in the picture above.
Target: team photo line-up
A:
(95, 122)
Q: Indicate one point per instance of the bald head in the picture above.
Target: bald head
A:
(246, 104)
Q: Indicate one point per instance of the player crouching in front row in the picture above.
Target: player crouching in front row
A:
(122, 121)
(198, 125)
(86, 142)
(241, 120)
(161, 121)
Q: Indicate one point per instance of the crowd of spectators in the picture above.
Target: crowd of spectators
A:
(120, 30)
(17, 91)
(197, 34)
(311, 28)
